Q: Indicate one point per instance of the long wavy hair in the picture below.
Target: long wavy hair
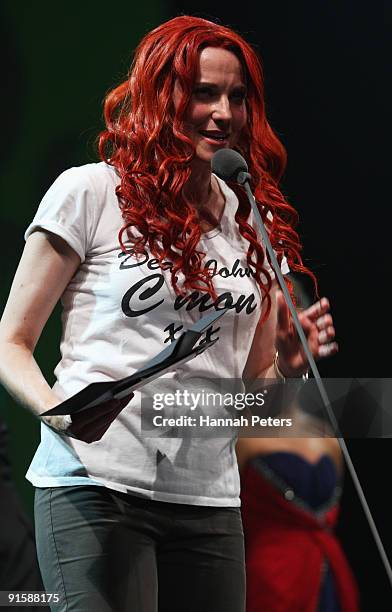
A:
(145, 140)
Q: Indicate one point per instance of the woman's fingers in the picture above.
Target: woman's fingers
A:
(326, 350)
(326, 335)
(324, 321)
(318, 309)
(317, 324)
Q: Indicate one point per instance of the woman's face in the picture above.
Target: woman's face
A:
(217, 112)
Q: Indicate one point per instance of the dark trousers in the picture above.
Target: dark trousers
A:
(107, 551)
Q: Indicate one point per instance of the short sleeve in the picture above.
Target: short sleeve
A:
(68, 209)
(284, 266)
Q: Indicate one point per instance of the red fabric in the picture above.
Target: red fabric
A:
(285, 548)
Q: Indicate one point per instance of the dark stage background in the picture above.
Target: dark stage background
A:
(326, 99)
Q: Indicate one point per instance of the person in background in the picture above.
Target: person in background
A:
(290, 491)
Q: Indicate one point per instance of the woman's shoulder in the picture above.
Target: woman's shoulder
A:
(95, 174)
(80, 189)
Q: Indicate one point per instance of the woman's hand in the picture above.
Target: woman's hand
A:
(317, 323)
(91, 424)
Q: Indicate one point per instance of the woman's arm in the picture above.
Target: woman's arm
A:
(262, 351)
(47, 265)
(277, 333)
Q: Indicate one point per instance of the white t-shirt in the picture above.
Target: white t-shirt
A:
(118, 312)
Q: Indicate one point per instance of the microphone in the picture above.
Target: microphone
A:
(229, 165)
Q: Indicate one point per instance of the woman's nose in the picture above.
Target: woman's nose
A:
(222, 109)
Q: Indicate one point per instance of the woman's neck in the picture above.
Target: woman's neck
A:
(198, 189)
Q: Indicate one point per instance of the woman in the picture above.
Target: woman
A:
(290, 491)
(138, 246)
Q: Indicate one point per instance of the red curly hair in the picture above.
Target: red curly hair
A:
(145, 140)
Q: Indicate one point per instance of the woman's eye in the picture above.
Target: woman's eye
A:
(207, 93)
(204, 92)
(238, 96)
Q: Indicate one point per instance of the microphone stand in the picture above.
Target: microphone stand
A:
(243, 179)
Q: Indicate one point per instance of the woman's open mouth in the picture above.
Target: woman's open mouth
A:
(215, 137)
